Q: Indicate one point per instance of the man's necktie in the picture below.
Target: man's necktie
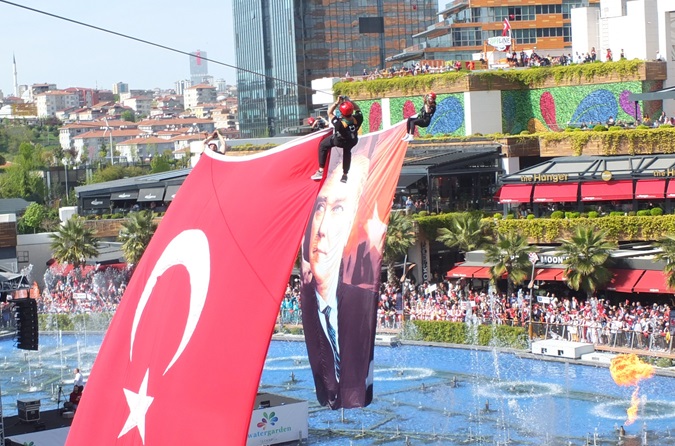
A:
(333, 343)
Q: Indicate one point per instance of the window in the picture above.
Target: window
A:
(524, 36)
(22, 256)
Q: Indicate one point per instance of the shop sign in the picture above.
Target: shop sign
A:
(664, 173)
(552, 260)
(501, 43)
(545, 178)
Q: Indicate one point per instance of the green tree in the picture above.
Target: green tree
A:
(22, 179)
(509, 256)
(465, 232)
(74, 243)
(32, 219)
(401, 235)
(135, 235)
(159, 164)
(587, 254)
(128, 115)
(667, 255)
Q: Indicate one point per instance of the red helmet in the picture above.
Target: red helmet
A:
(431, 96)
(346, 108)
(311, 121)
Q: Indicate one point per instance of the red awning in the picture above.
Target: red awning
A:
(483, 273)
(607, 190)
(548, 274)
(565, 192)
(670, 191)
(462, 271)
(646, 189)
(652, 282)
(624, 280)
(515, 193)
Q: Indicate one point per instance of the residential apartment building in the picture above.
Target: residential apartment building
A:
(184, 125)
(294, 42)
(120, 88)
(68, 132)
(467, 25)
(139, 104)
(143, 147)
(93, 142)
(87, 96)
(199, 94)
(50, 102)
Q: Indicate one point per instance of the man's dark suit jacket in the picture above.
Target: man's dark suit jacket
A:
(357, 309)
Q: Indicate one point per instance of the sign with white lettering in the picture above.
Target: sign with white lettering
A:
(501, 43)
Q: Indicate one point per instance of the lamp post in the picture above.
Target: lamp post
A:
(109, 130)
(534, 258)
(65, 171)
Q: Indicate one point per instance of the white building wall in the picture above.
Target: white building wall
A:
(483, 112)
(585, 30)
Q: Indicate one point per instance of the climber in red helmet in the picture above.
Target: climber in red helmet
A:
(317, 123)
(423, 118)
(345, 135)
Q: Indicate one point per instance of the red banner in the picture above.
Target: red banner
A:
(342, 257)
(182, 359)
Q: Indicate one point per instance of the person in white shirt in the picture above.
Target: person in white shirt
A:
(79, 379)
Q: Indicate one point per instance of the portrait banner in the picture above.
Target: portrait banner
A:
(341, 264)
(183, 356)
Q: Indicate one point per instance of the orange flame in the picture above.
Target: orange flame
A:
(628, 370)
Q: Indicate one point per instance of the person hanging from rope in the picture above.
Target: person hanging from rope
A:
(317, 123)
(345, 135)
(423, 118)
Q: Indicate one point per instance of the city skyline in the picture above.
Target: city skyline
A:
(90, 58)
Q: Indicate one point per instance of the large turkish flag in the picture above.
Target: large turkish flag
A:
(182, 359)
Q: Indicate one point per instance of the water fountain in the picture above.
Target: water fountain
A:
(417, 399)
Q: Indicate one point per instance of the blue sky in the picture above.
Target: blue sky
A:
(49, 50)
(70, 55)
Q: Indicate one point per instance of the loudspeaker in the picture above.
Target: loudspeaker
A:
(25, 314)
(29, 415)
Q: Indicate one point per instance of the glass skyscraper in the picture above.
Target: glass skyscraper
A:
(293, 42)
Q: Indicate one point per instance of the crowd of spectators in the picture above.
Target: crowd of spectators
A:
(597, 320)
(90, 289)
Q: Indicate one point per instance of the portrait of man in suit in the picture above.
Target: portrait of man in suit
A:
(337, 314)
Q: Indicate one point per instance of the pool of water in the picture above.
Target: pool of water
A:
(423, 395)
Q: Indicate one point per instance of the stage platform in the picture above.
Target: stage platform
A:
(50, 430)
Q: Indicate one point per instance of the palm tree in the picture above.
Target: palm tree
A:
(74, 243)
(466, 233)
(509, 256)
(667, 254)
(401, 235)
(587, 253)
(135, 235)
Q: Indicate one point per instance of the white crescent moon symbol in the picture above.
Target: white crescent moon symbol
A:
(190, 248)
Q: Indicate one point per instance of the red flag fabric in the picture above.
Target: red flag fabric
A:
(342, 257)
(507, 27)
(182, 359)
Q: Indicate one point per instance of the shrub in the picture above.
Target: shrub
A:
(525, 132)
(593, 214)
(642, 127)
(599, 128)
(614, 128)
(571, 215)
(643, 213)
(106, 216)
(558, 214)
(656, 211)
(616, 214)
(530, 216)
(423, 213)
(510, 216)
(666, 125)
(498, 216)
(569, 129)
(632, 213)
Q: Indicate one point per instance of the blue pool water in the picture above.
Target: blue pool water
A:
(423, 395)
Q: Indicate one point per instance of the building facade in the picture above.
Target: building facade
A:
(199, 94)
(292, 42)
(467, 25)
(199, 68)
(53, 101)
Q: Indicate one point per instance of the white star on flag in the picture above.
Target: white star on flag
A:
(138, 406)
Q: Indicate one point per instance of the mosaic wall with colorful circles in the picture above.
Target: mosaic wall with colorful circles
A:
(534, 110)
(554, 108)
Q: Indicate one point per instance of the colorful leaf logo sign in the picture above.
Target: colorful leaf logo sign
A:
(629, 106)
(408, 111)
(375, 117)
(448, 118)
(270, 419)
(547, 108)
(598, 106)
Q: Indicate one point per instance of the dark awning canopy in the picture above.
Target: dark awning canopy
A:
(151, 194)
(405, 180)
(127, 195)
(171, 193)
(96, 202)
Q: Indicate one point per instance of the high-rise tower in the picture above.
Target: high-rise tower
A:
(296, 41)
(198, 67)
